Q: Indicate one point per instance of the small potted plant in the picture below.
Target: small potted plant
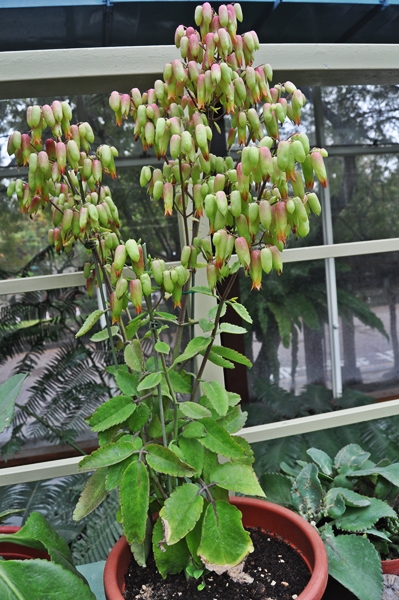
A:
(37, 561)
(161, 435)
(353, 503)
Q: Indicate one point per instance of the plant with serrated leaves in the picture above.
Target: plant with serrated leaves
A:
(35, 578)
(161, 435)
(353, 503)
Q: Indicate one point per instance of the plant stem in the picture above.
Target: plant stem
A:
(110, 337)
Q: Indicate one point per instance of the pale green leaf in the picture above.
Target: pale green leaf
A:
(9, 392)
(133, 355)
(134, 498)
(224, 540)
(181, 512)
(162, 347)
(93, 494)
(218, 440)
(166, 316)
(234, 420)
(113, 412)
(89, 322)
(103, 335)
(231, 354)
(241, 310)
(237, 478)
(218, 360)
(169, 559)
(149, 382)
(127, 382)
(194, 347)
(193, 453)
(217, 396)
(322, 460)
(193, 410)
(230, 328)
(359, 519)
(163, 460)
(108, 455)
(180, 383)
(201, 289)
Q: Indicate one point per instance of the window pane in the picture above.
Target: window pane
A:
(368, 291)
(361, 114)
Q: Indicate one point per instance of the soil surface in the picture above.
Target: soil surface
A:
(279, 573)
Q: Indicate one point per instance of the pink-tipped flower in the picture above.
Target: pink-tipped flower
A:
(56, 107)
(255, 270)
(209, 57)
(168, 196)
(116, 306)
(61, 153)
(212, 275)
(119, 259)
(243, 253)
(193, 46)
(220, 243)
(138, 265)
(279, 214)
(26, 148)
(319, 168)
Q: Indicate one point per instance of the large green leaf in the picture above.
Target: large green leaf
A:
(9, 391)
(108, 455)
(231, 354)
(218, 440)
(163, 460)
(180, 382)
(224, 541)
(391, 473)
(133, 355)
(169, 559)
(241, 310)
(89, 322)
(181, 512)
(134, 498)
(218, 360)
(40, 580)
(193, 453)
(359, 519)
(139, 418)
(194, 347)
(193, 410)
(113, 412)
(236, 477)
(277, 488)
(356, 564)
(103, 335)
(352, 456)
(322, 460)
(234, 420)
(127, 382)
(217, 396)
(308, 493)
(93, 494)
(230, 328)
(149, 382)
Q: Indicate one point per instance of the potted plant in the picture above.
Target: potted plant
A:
(38, 563)
(161, 435)
(353, 503)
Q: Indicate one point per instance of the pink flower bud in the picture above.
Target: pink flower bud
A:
(255, 270)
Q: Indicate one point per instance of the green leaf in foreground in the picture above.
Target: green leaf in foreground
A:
(355, 563)
(237, 478)
(230, 328)
(181, 512)
(108, 455)
(193, 348)
(169, 559)
(163, 460)
(224, 541)
(241, 310)
(89, 322)
(149, 382)
(102, 335)
(113, 412)
(231, 354)
(134, 497)
(9, 392)
(38, 579)
(217, 396)
(93, 494)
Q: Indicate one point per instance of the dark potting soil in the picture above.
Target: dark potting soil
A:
(279, 573)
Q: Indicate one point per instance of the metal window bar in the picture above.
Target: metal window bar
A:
(96, 70)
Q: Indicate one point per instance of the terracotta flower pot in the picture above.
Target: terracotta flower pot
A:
(11, 551)
(390, 567)
(256, 513)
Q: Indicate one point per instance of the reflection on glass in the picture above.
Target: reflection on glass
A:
(364, 193)
(288, 342)
(357, 114)
(368, 289)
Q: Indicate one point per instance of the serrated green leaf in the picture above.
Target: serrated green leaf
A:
(323, 461)
(277, 488)
(9, 392)
(134, 325)
(224, 540)
(206, 325)
(352, 456)
(115, 472)
(163, 460)
(108, 455)
(142, 550)
(194, 347)
(235, 267)
(230, 328)
(201, 289)
(17, 577)
(242, 311)
(165, 315)
(234, 398)
(127, 382)
(169, 559)
(308, 495)
(217, 396)
(233, 355)
(133, 355)
(355, 563)
(150, 381)
(93, 494)
(351, 498)
(162, 347)
(213, 311)
(359, 519)
(134, 498)
(237, 478)
(102, 335)
(194, 430)
(390, 473)
(180, 382)
(193, 453)
(139, 418)
(113, 412)
(218, 360)
(193, 410)
(181, 512)
(234, 420)
(89, 322)
(218, 440)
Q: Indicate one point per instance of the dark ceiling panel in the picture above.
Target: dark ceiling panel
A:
(149, 23)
